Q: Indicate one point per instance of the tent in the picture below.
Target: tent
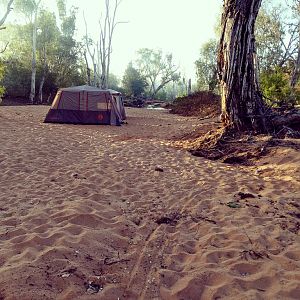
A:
(87, 105)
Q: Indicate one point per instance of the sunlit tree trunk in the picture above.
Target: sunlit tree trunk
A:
(296, 71)
(33, 63)
(88, 70)
(242, 104)
(43, 75)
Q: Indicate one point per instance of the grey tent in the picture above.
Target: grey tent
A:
(87, 105)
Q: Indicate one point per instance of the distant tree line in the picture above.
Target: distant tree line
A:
(40, 54)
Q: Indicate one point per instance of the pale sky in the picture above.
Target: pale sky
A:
(175, 26)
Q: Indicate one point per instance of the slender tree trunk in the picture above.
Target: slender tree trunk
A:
(189, 87)
(43, 76)
(95, 75)
(107, 73)
(92, 56)
(33, 64)
(105, 43)
(41, 89)
(242, 104)
(296, 71)
(103, 75)
(88, 70)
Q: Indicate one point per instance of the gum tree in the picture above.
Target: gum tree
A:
(30, 8)
(242, 105)
(158, 69)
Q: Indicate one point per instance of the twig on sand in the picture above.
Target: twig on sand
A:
(247, 236)
(255, 255)
(198, 218)
(109, 263)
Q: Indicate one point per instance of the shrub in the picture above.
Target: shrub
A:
(2, 88)
(275, 87)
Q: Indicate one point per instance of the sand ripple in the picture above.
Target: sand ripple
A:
(120, 208)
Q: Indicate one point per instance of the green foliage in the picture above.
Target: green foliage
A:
(48, 32)
(162, 95)
(158, 69)
(133, 82)
(62, 10)
(26, 7)
(206, 67)
(17, 78)
(66, 58)
(270, 33)
(2, 88)
(68, 25)
(181, 88)
(114, 82)
(277, 49)
(276, 88)
(58, 55)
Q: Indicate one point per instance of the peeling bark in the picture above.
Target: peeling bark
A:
(242, 104)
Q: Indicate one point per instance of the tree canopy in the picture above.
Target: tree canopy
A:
(58, 60)
(133, 82)
(206, 66)
(44, 44)
(158, 69)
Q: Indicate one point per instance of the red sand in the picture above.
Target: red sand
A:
(103, 212)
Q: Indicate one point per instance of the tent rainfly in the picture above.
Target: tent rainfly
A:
(87, 105)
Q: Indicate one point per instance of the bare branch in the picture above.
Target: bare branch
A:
(3, 50)
(107, 27)
(8, 9)
(87, 39)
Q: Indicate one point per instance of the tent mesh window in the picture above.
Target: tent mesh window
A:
(97, 102)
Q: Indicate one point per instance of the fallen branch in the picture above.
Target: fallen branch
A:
(109, 263)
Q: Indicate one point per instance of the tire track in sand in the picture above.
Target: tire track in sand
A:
(150, 251)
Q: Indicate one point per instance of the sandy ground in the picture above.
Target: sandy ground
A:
(102, 212)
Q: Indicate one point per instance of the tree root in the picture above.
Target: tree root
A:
(229, 145)
(232, 147)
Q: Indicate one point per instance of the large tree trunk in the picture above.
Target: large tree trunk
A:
(242, 103)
